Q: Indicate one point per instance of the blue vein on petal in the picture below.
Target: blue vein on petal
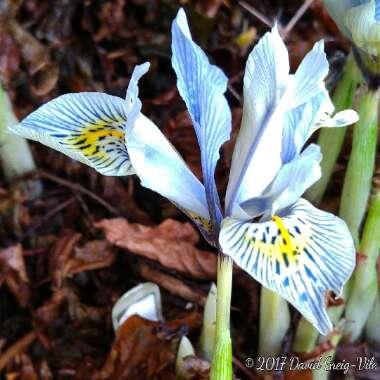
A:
(202, 86)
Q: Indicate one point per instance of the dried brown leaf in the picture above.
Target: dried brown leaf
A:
(27, 370)
(52, 308)
(144, 350)
(165, 98)
(33, 52)
(298, 375)
(65, 301)
(364, 360)
(66, 259)
(9, 57)
(196, 368)
(112, 20)
(45, 371)
(12, 268)
(80, 312)
(17, 348)
(115, 189)
(172, 284)
(93, 255)
(171, 244)
(60, 255)
(210, 8)
(45, 80)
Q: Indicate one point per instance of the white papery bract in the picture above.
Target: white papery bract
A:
(281, 240)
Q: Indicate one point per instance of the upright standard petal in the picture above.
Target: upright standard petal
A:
(306, 99)
(280, 112)
(308, 81)
(292, 180)
(300, 254)
(87, 126)
(161, 169)
(257, 155)
(301, 122)
(202, 87)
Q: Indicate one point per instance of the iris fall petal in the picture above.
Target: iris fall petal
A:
(300, 254)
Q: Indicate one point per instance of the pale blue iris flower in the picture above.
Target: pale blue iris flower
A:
(359, 20)
(272, 233)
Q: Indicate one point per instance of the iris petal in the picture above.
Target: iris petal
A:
(337, 10)
(310, 106)
(377, 10)
(299, 255)
(274, 101)
(292, 180)
(257, 154)
(160, 167)
(202, 87)
(87, 126)
(308, 81)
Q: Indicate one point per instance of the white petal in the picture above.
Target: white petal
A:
(308, 81)
(143, 300)
(302, 121)
(340, 119)
(160, 168)
(299, 255)
(292, 180)
(257, 154)
(202, 86)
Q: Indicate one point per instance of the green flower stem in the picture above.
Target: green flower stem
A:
(221, 366)
(274, 323)
(331, 139)
(358, 180)
(364, 281)
(15, 155)
(327, 357)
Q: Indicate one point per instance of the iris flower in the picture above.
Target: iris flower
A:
(280, 239)
(359, 20)
(345, 13)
